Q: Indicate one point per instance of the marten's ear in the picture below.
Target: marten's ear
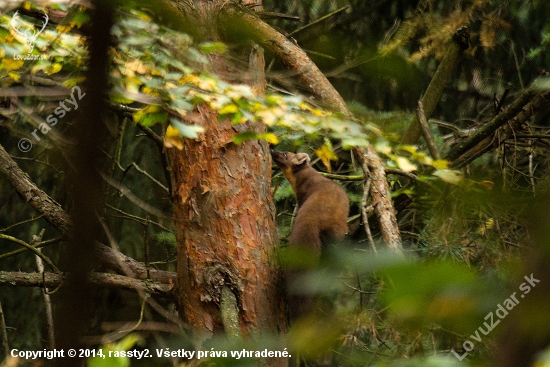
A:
(300, 158)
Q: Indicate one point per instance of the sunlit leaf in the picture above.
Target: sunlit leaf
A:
(15, 76)
(440, 164)
(251, 135)
(405, 165)
(140, 115)
(326, 154)
(213, 47)
(450, 176)
(54, 68)
(71, 82)
(228, 109)
(10, 64)
(172, 138)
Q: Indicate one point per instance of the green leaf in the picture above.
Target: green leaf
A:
(419, 293)
(81, 18)
(251, 135)
(213, 47)
(245, 136)
(154, 118)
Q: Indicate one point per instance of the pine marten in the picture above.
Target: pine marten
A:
(323, 208)
(323, 205)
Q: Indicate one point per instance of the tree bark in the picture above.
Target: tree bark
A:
(36, 198)
(225, 229)
(224, 214)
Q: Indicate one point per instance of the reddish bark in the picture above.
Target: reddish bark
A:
(225, 229)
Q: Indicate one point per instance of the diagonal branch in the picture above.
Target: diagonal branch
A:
(521, 109)
(440, 79)
(237, 20)
(36, 198)
(240, 21)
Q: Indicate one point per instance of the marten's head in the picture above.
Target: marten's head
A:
(290, 163)
(288, 160)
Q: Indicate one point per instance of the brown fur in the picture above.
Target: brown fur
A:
(323, 204)
(323, 208)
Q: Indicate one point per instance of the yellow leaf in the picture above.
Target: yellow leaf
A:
(440, 164)
(172, 138)
(326, 154)
(150, 91)
(136, 66)
(227, 109)
(383, 147)
(487, 226)
(53, 68)
(10, 64)
(132, 84)
(267, 117)
(15, 76)
(63, 28)
(271, 138)
(189, 79)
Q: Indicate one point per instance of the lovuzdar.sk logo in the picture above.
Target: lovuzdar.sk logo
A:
(26, 30)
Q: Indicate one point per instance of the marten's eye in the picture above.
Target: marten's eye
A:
(284, 154)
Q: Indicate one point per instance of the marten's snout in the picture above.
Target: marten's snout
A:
(277, 158)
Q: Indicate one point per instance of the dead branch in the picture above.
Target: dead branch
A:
(518, 112)
(36, 198)
(105, 280)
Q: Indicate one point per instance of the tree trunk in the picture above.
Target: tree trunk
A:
(224, 213)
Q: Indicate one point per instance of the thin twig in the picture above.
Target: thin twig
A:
(4, 332)
(365, 208)
(267, 14)
(37, 246)
(426, 132)
(318, 20)
(45, 294)
(33, 249)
